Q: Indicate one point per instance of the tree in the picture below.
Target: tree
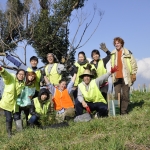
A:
(46, 29)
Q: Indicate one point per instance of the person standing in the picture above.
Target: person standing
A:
(53, 70)
(13, 87)
(100, 66)
(126, 74)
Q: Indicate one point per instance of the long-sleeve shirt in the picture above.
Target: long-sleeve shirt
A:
(99, 81)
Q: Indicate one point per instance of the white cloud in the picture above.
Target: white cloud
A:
(144, 68)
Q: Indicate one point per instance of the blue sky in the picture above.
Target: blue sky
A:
(128, 19)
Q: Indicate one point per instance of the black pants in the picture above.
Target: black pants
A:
(100, 107)
(10, 116)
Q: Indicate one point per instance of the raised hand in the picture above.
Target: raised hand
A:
(103, 47)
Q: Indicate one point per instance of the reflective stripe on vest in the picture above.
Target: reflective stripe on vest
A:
(127, 60)
(53, 76)
(93, 94)
(80, 72)
(62, 99)
(38, 77)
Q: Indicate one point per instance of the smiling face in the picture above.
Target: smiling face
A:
(21, 75)
(118, 45)
(33, 63)
(31, 77)
(62, 86)
(50, 58)
(86, 79)
(43, 97)
(81, 58)
(95, 56)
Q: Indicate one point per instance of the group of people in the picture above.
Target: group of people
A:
(89, 85)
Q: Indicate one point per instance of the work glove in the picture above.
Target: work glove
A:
(133, 78)
(75, 69)
(103, 47)
(0, 68)
(88, 109)
(114, 69)
(2, 54)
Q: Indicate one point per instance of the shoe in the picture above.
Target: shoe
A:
(9, 129)
(19, 125)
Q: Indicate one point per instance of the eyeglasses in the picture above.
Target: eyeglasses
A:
(21, 74)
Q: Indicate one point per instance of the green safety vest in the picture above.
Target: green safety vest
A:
(100, 70)
(93, 94)
(80, 72)
(53, 76)
(41, 110)
(127, 59)
(38, 77)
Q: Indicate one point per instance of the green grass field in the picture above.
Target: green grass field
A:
(128, 132)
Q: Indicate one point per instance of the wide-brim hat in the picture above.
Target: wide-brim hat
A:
(86, 72)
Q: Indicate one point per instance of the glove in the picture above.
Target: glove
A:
(63, 60)
(88, 109)
(133, 77)
(114, 69)
(0, 68)
(2, 54)
(75, 69)
(103, 47)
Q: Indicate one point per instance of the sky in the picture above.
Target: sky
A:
(128, 19)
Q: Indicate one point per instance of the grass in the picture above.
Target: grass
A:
(126, 132)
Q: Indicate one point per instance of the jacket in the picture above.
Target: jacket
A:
(129, 65)
(11, 92)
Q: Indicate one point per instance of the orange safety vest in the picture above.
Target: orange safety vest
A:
(62, 99)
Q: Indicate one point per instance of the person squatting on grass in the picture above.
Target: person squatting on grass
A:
(39, 106)
(13, 87)
(62, 101)
(100, 66)
(27, 93)
(126, 74)
(89, 93)
(33, 68)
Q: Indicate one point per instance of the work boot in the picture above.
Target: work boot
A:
(9, 128)
(19, 125)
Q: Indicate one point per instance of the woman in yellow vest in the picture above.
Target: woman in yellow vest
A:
(90, 95)
(13, 87)
(100, 66)
(81, 64)
(53, 69)
(62, 100)
(39, 106)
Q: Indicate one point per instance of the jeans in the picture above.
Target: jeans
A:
(10, 116)
(100, 107)
(34, 120)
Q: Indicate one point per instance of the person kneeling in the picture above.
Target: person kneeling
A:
(39, 106)
(64, 105)
(89, 94)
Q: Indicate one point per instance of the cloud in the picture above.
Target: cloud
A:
(144, 68)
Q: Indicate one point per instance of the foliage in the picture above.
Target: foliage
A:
(126, 132)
